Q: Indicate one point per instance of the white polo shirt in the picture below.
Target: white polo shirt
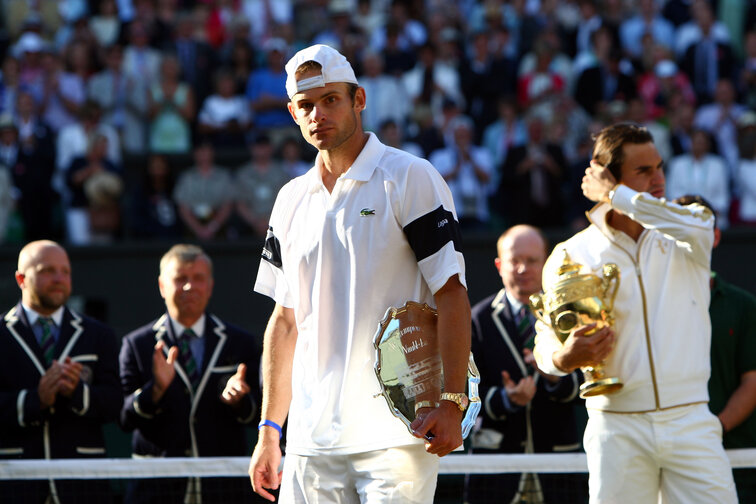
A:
(387, 234)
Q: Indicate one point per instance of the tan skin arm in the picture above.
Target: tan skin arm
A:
(741, 404)
(277, 360)
(444, 422)
(580, 350)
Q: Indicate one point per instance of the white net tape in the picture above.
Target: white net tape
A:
(237, 466)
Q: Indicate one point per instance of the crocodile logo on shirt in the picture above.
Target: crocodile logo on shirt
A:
(367, 211)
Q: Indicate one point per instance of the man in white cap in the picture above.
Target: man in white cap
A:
(368, 227)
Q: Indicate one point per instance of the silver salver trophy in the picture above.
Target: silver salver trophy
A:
(409, 368)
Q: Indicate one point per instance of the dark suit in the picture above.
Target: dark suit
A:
(497, 346)
(72, 428)
(697, 68)
(514, 199)
(188, 423)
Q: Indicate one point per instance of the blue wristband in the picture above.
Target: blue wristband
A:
(271, 423)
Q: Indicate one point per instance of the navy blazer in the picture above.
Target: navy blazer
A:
(71, 428)
(496, 347)
(186, 422)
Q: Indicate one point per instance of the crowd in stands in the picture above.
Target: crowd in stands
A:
(140, 119)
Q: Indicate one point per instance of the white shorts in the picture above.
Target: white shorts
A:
(672, 456)
(399, 475)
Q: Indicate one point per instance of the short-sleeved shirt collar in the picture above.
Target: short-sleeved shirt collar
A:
(362, 168)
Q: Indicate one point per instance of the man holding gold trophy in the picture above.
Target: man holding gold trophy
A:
(650, 436)
(368, 227)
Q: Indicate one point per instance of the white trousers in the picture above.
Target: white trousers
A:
(400, 475)
(673, 456)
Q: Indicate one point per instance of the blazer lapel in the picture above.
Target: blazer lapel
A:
(504, 322)
(215, 339)
(70, 330)
(164, 332)
(19, 328)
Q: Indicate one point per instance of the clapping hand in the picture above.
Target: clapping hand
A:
(236, 387)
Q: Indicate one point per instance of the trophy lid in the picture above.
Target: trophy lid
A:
(568, 267)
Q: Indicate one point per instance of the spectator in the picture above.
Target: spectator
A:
(607, 77)
(467, 169)
(720, 118)
(65, 87)
(530, 183)
(398, 58)
(105, 25)
(681, 128)
(525, 410)
(542, 75)
(240, 62)
(507, 132)
(33, 132)
(661, 86)
(265, 15)
(411, 34)
(225, 116)
(257, 183)
(745, 180)
(701, 172)
(27, 151)
(73, 140)
(391, 134)
(266, 92)
(59, 378)
(649, 21)
(10, 152)
(172, 109)
(154, 214)
(195, 391)
(123, 101)
(291, 158)
(195, 56)
(484, 77)
(701, 25)
(748, 73)
(140, 61)
(708, 56)
(9, 85)
(388, 97)
(30, 51)
(732, 385)
(590, 21)
(204, 195)
(341, 31)
(432, 82)
(93, 214)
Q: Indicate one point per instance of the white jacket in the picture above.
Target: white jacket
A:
(662, 325)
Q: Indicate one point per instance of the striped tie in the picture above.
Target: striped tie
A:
(525, 325)
(47, 341)
(187, 358)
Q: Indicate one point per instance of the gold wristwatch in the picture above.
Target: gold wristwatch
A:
(458, 398)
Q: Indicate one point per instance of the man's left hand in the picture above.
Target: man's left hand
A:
(70, 376)
(236, 387)
(444, 423)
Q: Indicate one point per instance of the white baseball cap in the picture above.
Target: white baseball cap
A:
(335, 68)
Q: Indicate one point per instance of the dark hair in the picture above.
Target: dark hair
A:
(689, 199)
(609, 151)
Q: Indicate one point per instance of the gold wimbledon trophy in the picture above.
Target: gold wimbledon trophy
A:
(576, 300)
